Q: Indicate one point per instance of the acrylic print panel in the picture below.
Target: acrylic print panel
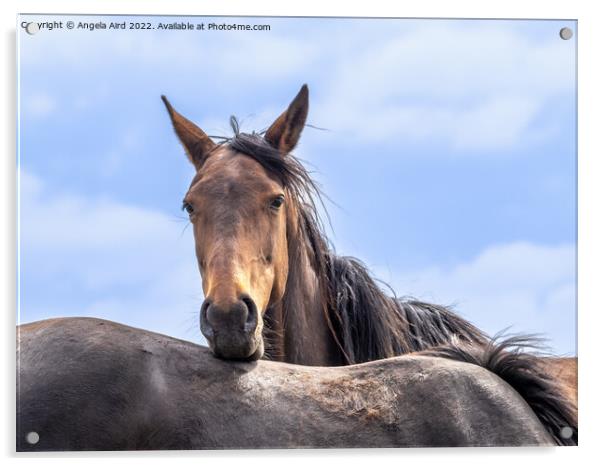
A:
(188, 279)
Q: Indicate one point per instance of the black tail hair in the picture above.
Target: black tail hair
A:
(507, 357)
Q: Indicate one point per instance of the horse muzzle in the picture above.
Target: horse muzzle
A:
(232, 330)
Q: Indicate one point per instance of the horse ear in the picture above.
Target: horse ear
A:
(196, 143)
(286, 130)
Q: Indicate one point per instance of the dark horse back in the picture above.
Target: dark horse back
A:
(526, 374)
(88, 384)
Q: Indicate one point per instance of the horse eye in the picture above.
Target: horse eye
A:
(277, 202)
(188, 208)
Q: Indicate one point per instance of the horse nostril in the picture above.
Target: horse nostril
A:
(206, 325)
(241, 315)
(204, 308)
(230, 328)
(251, 321)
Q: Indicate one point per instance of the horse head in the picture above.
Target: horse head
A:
(239, 203)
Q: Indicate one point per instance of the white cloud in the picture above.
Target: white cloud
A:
(498, 123)
(526, 286)
(475, 87)
(116, 261)
(39, 105)
(494, 124)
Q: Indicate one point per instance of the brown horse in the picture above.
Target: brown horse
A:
(273, 286)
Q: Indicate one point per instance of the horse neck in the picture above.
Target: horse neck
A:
(298, 331)
(334, 313)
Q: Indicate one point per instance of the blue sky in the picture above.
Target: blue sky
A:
(450, 155)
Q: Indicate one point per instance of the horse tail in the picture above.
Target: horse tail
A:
(508, 359)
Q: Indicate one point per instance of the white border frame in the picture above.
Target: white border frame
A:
(590, 225)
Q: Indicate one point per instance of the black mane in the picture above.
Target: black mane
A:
(365, 323)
